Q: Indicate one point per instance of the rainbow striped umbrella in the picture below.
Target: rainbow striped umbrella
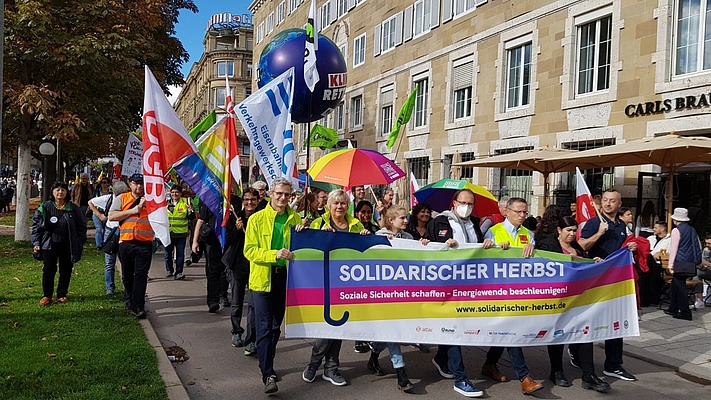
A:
(439, 196)
(355, 167)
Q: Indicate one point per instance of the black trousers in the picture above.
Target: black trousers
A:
(678, 299)
(59, 253)
(215, 274)
(239, 280)
(135, 264)
(583, 353)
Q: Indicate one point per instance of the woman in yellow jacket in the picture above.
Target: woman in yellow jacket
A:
(335, 219)
(266, 246)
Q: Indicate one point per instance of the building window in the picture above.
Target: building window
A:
(422, 15)
(387, 95)
(248, 73)
(344, 51)
(359, 50)
(260, 32)
(292, 5)
(325, 15)
(462, 86)
(389, 33)
(515, 182)
(597, 179)
(338, 117)
(270, 23)
(467, 172)
(304, 130)
(342, 7)
(421, 102)
(220, 96)
(420, 167)
(693, 36)
(223, 46)
(250, 44)
(518, 75)
(248, 91)
(462, 6)
(245, 148)
(593, 68)
(225, 68)
(357, 112)
(281, 12)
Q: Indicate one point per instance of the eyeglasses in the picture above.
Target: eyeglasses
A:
(247, 199)
(519, 212)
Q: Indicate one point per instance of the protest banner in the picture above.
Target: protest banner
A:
(132, 157)
(400, 291)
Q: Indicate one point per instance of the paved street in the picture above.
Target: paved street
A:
(216, 370)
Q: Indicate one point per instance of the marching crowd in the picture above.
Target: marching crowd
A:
(252, 265)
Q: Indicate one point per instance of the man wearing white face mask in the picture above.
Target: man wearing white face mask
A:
(453, 227)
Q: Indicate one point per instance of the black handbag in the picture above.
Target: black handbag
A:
(684, 268)
(110, 245)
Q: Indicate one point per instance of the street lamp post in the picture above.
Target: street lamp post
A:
(46, 149)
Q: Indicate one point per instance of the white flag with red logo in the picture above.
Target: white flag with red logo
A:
(413, 188)
(585, 207)
(165, 142)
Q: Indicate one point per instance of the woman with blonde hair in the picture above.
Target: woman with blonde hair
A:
(334, 219)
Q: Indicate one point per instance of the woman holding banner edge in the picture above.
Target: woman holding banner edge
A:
(563, 240)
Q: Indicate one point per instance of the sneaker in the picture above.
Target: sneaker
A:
(309, 373)
(573, 359)
(45, 301)
(109, 292)
(465, 388)
(212, 308)
(620, 373)
(225, 302)
(334, 377)
(168, 274)
(62, 300)
(698, 304)
(443, 369)
(270, 385)
(237, 340)
(250, 349)
(140, 313)
(361, 347)
(179, 276)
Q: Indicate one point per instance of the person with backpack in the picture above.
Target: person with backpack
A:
(58, 233)
(100, 207)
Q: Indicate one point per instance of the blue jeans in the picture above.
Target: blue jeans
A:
(177, 244)
(100, 228)
(394, 350)
(269, 308)
(452, 354)
(109, 266)
(518, 361)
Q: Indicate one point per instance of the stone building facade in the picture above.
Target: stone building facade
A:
(500, 76)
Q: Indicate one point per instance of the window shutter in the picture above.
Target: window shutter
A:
(447, 10)
(398, 29)
(376, 40)
(434, 16)
(407, 24)
(462, 75)
(351, 4)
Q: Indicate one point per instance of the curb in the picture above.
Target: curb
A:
(175, 388)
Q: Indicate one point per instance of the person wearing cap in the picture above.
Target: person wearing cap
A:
(59, 231)
(135, 244)
(685, 249)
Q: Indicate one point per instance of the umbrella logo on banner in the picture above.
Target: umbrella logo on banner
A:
(325, 242)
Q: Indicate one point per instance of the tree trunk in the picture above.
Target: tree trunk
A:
(22, 207)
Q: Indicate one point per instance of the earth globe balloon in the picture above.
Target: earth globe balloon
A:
(286, 50)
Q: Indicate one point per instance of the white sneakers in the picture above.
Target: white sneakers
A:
(698, 304)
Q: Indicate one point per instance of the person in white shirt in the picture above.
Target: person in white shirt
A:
(651, 282)
(100, 207)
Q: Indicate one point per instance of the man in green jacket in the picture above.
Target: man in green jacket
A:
(266, 247)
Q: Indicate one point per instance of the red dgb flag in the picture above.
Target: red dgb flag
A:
(583, 201)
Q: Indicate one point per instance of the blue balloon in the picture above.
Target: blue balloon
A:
(286, 50)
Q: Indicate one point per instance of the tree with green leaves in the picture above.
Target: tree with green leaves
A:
(74, 73)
